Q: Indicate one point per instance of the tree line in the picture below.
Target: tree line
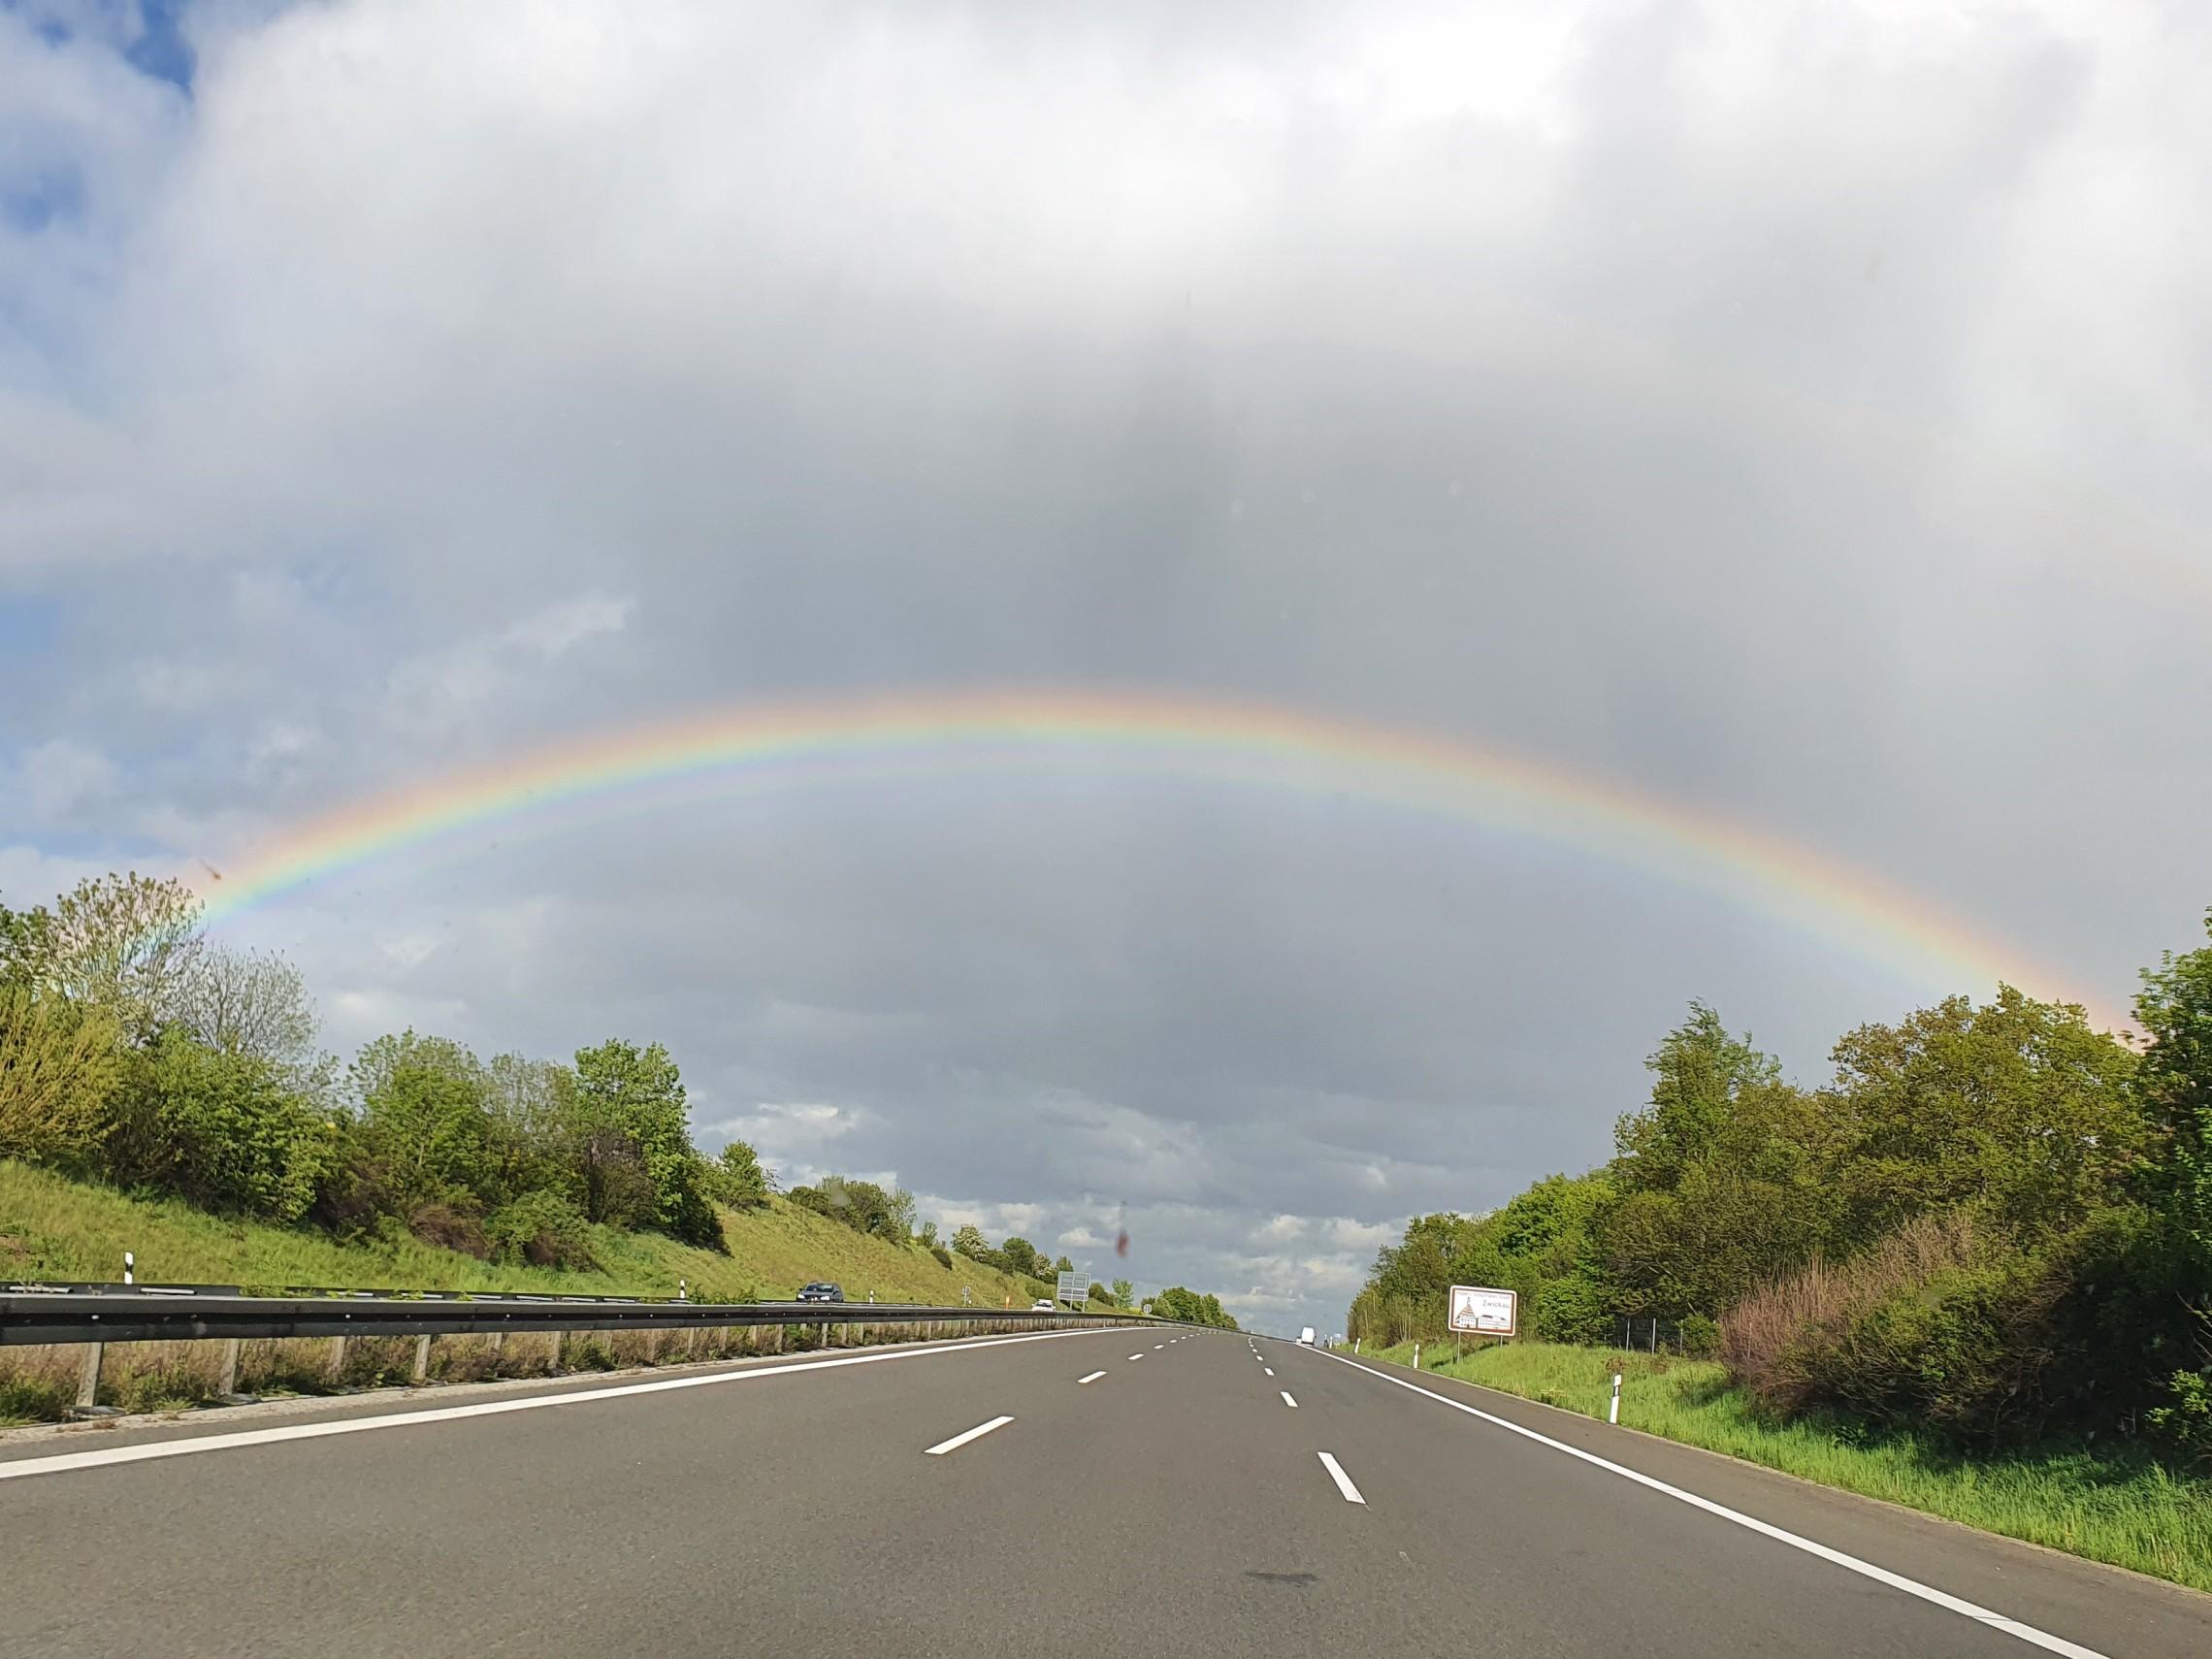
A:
(1992, 1220)
(136, 1051)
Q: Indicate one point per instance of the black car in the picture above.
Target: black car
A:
(822, 1292)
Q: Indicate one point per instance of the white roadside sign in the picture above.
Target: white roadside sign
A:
(1478, 1312)
(1074, 1287)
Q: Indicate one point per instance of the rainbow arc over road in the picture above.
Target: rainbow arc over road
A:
(1090, 733)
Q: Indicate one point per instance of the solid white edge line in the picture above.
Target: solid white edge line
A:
(2027, 1633)
(21, 1467)
(1092, 1378)
(1287, 1401)
(960, 1440)
(1342, 1479)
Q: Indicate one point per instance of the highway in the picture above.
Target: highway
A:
(1097, 1492)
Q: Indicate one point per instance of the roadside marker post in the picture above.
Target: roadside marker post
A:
(1612, 1409)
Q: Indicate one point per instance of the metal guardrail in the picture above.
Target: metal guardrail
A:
(82, 1314)
(94, 1315)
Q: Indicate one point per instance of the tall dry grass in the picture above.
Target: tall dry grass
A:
(1771, 1339)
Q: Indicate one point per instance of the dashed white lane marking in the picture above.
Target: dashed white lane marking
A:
(960, 1440)
(16, 1469)
(1271, 1370)
(1136, 1357)
(2027, 1633)
(1092, 1378)
(1342, 1479)
(1287, 1401)
(1157, 1345)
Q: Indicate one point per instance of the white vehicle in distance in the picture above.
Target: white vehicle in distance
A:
(1042, 1305)
(1306, 1337)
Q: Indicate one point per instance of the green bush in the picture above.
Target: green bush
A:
(2185, 1422)
(944, 1256)
(1572, 1311)
(544, 1230)
(218, 1129)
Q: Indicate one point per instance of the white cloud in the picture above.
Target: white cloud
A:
(551, 631)
(61, 777)
(410, 951)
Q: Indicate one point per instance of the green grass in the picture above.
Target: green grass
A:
(55, 1229)
(2107, 1506)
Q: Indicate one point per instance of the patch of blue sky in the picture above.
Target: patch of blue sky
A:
(151, 35)
(161, 49)
(30, 204)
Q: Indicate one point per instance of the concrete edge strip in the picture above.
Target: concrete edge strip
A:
(2027, 1633)
(17, 1469)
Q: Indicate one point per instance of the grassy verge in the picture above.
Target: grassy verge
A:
(2108, 1505)
(54, 1229)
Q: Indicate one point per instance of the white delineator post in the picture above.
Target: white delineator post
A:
(130, 1268)
(1613, 1407)
(1416, 1357)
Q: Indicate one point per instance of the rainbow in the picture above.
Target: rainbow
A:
(1086, 735)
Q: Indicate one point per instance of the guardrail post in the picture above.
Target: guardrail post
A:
(559, 1342)
(226, 1379)
(88, 1374)
(336, 1358)
(421, 1372)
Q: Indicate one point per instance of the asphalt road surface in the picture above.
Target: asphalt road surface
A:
(1101, 1492)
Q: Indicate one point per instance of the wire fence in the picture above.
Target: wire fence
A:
(1651, 1336)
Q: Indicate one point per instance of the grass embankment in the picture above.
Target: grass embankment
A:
(2105, 1505)
(60, 1230)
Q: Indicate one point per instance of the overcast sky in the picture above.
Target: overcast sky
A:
(1792, 411)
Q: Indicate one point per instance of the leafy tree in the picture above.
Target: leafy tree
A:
(2016, 1107)
(2174, 1086)
(928, 1235)
(1124, 1293)
(424, 1121)
(59, 1064)
(638, 1094)
(736, 1178)
(123, 944)
(1064, 1265)
(217, 1128)
(22, 944)
(252, 1002)
(861, 1205)
(1020, 1256)
(1178, 1303)
(1701, 1074)
(533, 1139)
(968, 1241)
